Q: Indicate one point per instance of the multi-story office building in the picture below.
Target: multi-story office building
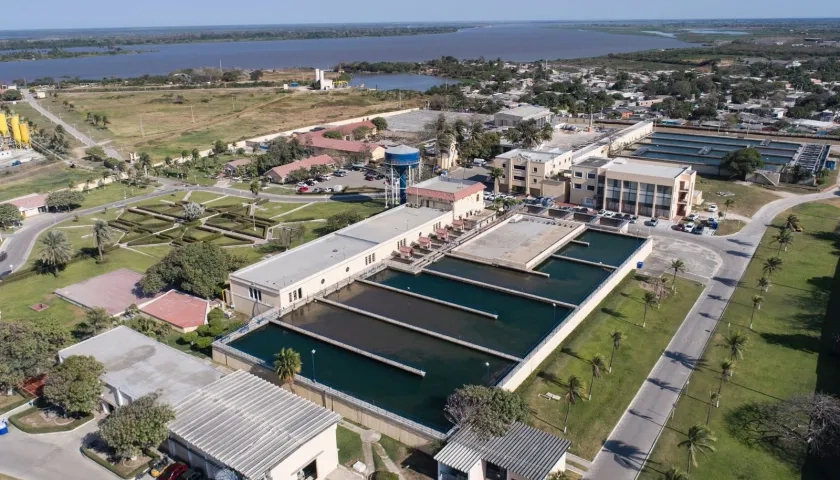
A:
(533, 172)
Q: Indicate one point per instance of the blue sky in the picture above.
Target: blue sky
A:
(121, 13)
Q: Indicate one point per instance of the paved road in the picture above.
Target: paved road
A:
(110, 151)
(18, 245)
(627, 448)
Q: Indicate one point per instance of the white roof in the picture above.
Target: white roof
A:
(662, 171)
(138, 365)
(248, 424)
(526, 111)
(532, 155)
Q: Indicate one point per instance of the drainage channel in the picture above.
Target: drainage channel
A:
(424, 331)
(338, 344)
(586, 262)
(511, 291)
(429, 299)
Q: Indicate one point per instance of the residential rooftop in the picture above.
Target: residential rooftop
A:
(526, 111)
(138, 365)
(638, 168)
(248, 424)
(532, 155)
(596, 162)
(445, 188)
(179, 309)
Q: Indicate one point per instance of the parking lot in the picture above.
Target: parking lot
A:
(352, 179)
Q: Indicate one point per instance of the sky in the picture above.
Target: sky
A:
(152, 13)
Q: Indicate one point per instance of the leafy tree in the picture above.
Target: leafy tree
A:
(574, 392)
(147, 326)
(64, 199)
(286, 236)
(380, 123)
(11, 96)
(743, 162)
(361, 133)
(700, 440)
(97, 319)
(675, 473)
(255, 75)
(27, 349)
(495, 174)
(9, 215)
(757, 300)
(598, 366)
(74, 386)
(678, 266)
(219, 147)
(105, 121)
(96, 118)
(140, 425)
(617, 336)
(341, 220)
(195, 154)
(649, 300)
(486, 411)
(193, 211)
(771, 266)
(255, 188)
(334, 134)
(529, 134)
(96, 153)
(145, 161)
(286, 365)
(55, 251)
(199, 268)
(103, 235)
(735, 342)
(298, 175)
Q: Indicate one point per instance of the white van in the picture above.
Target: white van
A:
(479, 162)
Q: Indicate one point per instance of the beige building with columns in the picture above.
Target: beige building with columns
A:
(533, 172)
(647, 189)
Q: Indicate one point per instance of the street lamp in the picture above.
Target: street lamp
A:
(487, 364)
(313, 366)
(554, 308)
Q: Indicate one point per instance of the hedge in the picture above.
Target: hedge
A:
(15, 420)
(148, 240)
(110, 466)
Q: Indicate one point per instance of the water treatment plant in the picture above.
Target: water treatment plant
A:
(392, 314)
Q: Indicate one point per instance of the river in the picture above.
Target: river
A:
(514, 42)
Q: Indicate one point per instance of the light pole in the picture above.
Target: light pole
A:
(554, 308)
(487, 364)
(313, 366)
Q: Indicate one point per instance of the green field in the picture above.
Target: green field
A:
(326, 209)
(272, 209)
(203, 197)
(590, 422)
(781, 358)
(349, 446)
(748, 198)
(42, 179)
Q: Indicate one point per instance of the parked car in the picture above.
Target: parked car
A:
(191, 475)
(689, 226)
(358, 166)
(633, 218)
(302, 189)
(311, 182)
(324, 177)
(652, 222)
(173, 471)
(712, 208)
(698, 230)
(693, 217)
(158, 467)
(370, 176)
(340, 173)
(301, 184)
(679, 227)
(601, 212)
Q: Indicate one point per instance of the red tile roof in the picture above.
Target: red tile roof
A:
(33, 200)
(333, 144)
(179, 309)
(238, 163)
(283, 170)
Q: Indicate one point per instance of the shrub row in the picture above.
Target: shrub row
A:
(149, 240)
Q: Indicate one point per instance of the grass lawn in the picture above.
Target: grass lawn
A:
(591, 422)
(112, 193)
(272, 209)
(349, 446)
(126, 468)
(203, 197)
(327, 209)
(728, 227)
(41, 180)
(780, 359)
(748, 198)
(8, 402)
(34, 421)
(378, 463)
(157, 251)
(19, 295)
(80, 237)
(229, 200)
(396, 450)
(280, 190)
(91, 218)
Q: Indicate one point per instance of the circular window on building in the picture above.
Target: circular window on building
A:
(322, 281)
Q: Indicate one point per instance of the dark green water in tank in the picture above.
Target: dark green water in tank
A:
(603, 247)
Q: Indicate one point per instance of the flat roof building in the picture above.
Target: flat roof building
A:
(463, 197)
(633, 186)
(514, 116)
(136, 365)
(533, 172)
(255, 428)
(183, 312)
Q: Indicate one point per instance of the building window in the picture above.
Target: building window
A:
(309, 472)
(533, 180)
(578, 174)
(591, 188)
(517, 177)
(370, 259)
(535, 169)
(578, 186)
(401, 243)
(591, 175)
(322, 281)
(347, 269)
(494, 472)
(255, 294)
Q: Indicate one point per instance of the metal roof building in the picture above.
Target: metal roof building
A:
(524, 451)
(244, 423)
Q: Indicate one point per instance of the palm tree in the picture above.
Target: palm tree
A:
(102, 235)
(574, 392)
(105, 121)
(96, 118)
(784, 238)
(598, 366)
(649, 299)
(145, 160)
(728, 203)
(286, 366)
(764, 284)
(700, 440)
(98, 319)
(56, 250)
(659, 287)
(736, 342)
(617, 337)
(727, 369)
(675, 473)
(792, 221)
(757, 300)
(771, 266)
(714, 397)
(529, 134)
(495, 174)
(677, 266)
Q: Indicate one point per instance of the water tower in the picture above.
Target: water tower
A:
(402, 167)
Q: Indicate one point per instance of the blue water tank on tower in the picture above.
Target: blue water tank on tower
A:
(401, 160)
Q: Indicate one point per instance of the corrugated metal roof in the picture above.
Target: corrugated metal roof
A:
(247, 423)
(524, 450)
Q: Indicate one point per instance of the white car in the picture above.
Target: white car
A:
(302, 184)
(712, 208)
(692, 217)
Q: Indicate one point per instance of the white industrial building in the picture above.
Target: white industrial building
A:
(256, 429)
(514, 116)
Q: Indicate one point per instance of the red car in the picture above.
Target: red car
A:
(173, 471)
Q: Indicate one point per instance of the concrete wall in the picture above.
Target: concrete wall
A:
(530, 364)
(322, 449)
(349, 408)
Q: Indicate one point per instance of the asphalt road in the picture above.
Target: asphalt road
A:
(628, 446)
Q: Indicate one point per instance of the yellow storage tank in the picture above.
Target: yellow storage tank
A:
(16, 128)
(4, 127)
(24, 133)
